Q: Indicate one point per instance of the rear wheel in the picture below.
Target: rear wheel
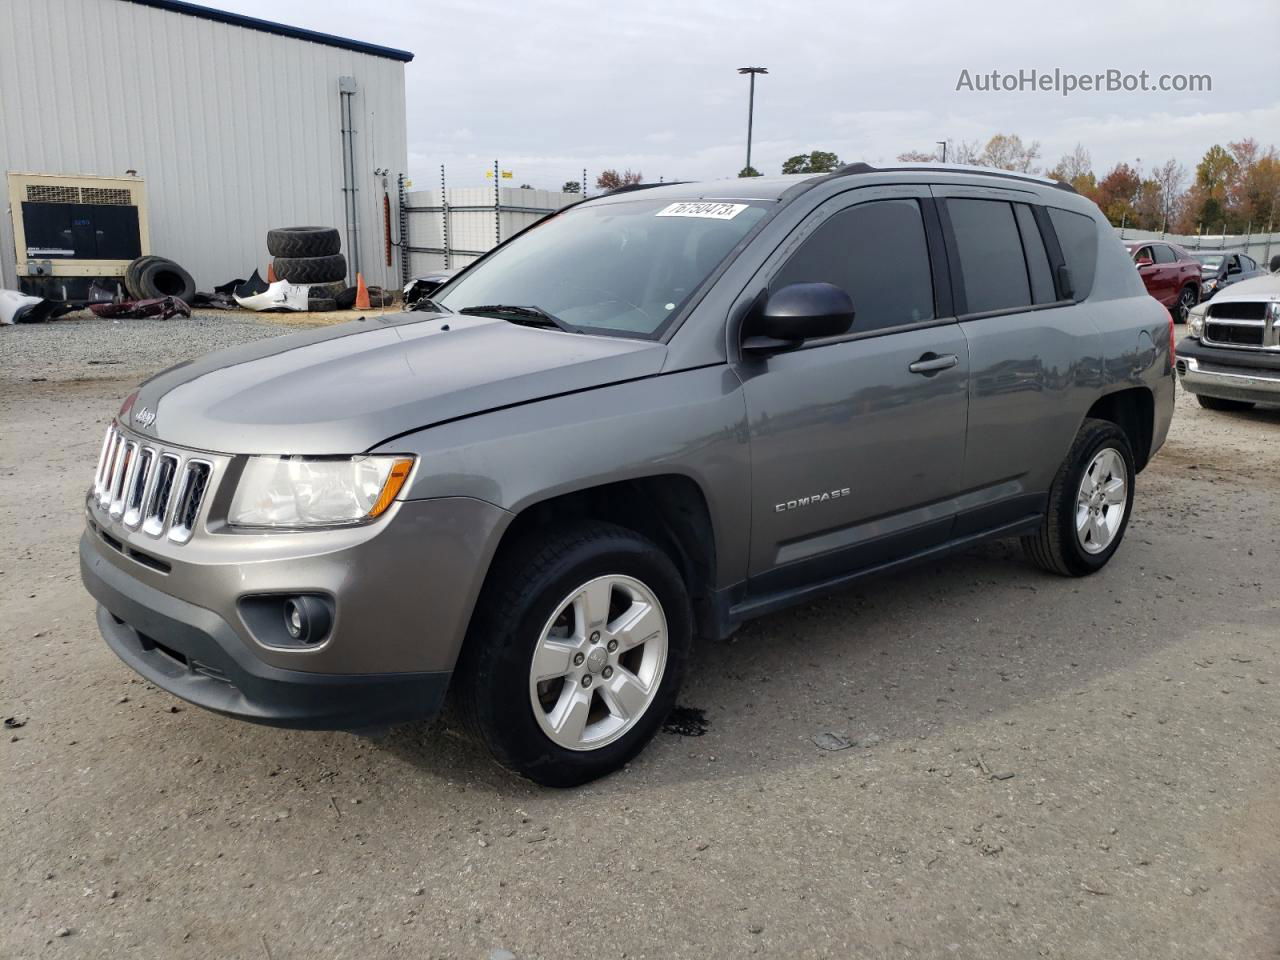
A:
(1220, 403)
(1089, 503)
(576, 654)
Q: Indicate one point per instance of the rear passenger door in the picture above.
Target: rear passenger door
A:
(1032, 352)
(857, 441)
(1168, 272)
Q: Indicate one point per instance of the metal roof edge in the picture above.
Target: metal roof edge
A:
(279, 29)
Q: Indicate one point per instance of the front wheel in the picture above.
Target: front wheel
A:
(576, 655)
(1220, 403)
(1089, 503)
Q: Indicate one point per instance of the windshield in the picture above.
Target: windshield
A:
(622, 268)
(1209, 261)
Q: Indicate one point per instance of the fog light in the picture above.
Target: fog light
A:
(306, 619)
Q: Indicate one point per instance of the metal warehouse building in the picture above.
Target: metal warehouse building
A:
(231, 126)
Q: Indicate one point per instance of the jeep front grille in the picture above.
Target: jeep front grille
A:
(143, 486)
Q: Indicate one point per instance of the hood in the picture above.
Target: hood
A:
(1265, 288)
(345, 389)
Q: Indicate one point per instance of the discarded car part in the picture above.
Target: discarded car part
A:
(164, 308)
(214, 301)
(303, 242)
(421, 288)
(326, 269)
(162, 278)
(17, 307)
(251, 287)
(281, 295)
(104, 293)
(230, 286)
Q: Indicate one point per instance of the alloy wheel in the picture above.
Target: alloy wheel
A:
(598, 663)
(1102, 500)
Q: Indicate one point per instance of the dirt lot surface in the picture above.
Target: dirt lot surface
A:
(1041, 766)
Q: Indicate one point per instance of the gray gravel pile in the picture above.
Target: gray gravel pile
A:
(90, 349)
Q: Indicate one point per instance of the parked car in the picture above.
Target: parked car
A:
(1170, 274)
(422, 287)
(1230, 358)
(1219, 270)
(663, 411)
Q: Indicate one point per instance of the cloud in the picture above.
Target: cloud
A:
(565, 84)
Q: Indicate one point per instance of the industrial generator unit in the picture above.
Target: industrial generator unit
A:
(73, 231)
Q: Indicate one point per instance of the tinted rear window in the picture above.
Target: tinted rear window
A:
(991, 259)
(1164, 254)
(1078, 237)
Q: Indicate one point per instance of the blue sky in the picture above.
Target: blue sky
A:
(553, 86)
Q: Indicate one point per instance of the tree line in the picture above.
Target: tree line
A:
(1232, 189)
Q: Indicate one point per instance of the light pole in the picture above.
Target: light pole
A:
(751, 106)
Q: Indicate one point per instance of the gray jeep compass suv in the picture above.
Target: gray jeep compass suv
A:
(656, 413)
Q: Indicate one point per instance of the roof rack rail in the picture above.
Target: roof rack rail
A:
(629, 187)
(851, 169)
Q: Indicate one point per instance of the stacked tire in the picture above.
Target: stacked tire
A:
(150, 278)
(310, 255)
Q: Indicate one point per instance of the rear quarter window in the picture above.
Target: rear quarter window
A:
(1078, 237)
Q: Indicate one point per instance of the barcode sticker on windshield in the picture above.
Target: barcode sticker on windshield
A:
(711, 211)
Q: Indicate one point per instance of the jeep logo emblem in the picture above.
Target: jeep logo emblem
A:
(144, 417)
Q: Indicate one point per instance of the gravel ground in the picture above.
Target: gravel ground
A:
(1041, 766)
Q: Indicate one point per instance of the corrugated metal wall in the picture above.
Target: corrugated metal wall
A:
(234, 130)
(473, 229)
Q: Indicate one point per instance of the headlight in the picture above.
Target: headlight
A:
(316, 491)
(1210, 285)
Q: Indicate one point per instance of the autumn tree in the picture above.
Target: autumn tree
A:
(1117, 192)
(819, 161)
(1076, 169)
(612, 179)
(749, 172)
(571, 186)
(1008, 152)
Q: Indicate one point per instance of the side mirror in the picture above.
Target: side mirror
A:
(1146, 262)
(798, 312)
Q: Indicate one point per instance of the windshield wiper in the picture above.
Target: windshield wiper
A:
(531, 316)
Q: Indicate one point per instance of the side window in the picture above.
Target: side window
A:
(991, 259)
(1233, 264)
(1248, 263)
(1037, 259)
(876, 252)
(1078, 237)
(1164, 254)
(1144, 253)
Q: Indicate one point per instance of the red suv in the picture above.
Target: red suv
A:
(1171, 275)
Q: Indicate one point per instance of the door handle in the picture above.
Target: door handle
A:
(931, 363)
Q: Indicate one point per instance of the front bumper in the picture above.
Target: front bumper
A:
(194, 654)
(1228, 374)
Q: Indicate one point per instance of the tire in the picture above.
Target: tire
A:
(1058, 546)
(303, 242)
(530, 586)
(321, 305)
(164, 278)
(1220, 403)
(327, 269)
(131, 275)
(1188, 297)
(326, 291)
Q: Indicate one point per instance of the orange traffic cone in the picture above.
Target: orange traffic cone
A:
(362, 294)
(271, 272)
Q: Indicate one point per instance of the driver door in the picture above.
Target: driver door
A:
(857, 441)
